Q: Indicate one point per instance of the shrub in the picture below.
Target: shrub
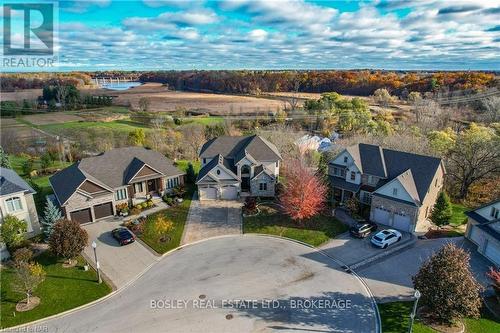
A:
(135, 210)
(169, 201)
(494, 276)
(250, 205)
(22, 255)
(122, 208)
(68, 239)
(162, 225)
(144, 205)
(12, 231)
(149, 203)
(449, 290)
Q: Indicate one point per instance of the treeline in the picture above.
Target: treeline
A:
(11, 82)
(363, 82)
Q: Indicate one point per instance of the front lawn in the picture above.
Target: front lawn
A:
(63, 289)
(458, 218)
(178, 215)
(396, 315)
(315, 231)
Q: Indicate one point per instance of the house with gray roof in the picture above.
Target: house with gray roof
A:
(399, 187)
(90, 189)
(16, 199)
(235, 166)
(483, 229)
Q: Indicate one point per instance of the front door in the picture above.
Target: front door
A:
(151, 184)
(245, 184)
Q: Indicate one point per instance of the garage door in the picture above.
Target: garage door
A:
(475, 235)
(381, 216)
(492, 252)
(229, 193)
(401, 222)
(207, 193)
(81, 216)
(103, 210)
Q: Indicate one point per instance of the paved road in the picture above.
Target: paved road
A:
(121, 264)
(212, 218)
(234, 268)
(390, 278)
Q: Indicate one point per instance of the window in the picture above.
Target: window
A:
(138, 187)
(121, 194)
(218, 171)
(353, 175)
(277, 164)
(14, 204)
(342, 172)
(263, 187)
(366, 198)
(495, 212)
(346, 159)
(394, 191)
(204, 160)
(436, 183)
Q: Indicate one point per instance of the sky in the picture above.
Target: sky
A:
(277, 34)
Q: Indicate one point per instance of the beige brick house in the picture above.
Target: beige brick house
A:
(399, 187)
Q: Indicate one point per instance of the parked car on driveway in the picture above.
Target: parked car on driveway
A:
(362, 229)
(386, 237)
(123, 235)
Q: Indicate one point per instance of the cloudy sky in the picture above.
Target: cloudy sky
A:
(276, 34)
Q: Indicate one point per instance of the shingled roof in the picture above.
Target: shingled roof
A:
(111, 169)
(234, 147)
(11, 182)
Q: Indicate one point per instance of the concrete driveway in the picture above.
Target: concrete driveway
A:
(390, 278)
(210, 218)
(120, 264)
(243, 283)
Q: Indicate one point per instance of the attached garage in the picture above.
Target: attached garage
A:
(381, 215)
(492, 252)
(81, 216)
(103, 210)
(207, 193)
(401, 222)
(229, 192)
(475, 234)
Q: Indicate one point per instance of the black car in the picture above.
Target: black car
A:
(361, 230)
(123, 235)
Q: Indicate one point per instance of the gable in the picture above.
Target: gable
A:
(340, 158)
(220, 173)
(388, 191)
(246, 161)
(91, 188)
(262, 176)
(207, 179)
(145, 171)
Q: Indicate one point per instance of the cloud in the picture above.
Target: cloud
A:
(258, 35)
(458, 9)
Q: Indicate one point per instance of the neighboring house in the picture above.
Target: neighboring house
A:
(483, 229)
(16, 199)
(234, 166)
(399, 187)
(314, 142)
(90, 189)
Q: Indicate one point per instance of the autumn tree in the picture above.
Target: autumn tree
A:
(12, 231)
(442, 210)
(27, 277)
(449, 290)
(303, 193)
(494, 275)
(383, 97)
(68, 239)
(137, 137)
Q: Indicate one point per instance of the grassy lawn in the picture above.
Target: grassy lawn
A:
(178, 215)
(458, 218)
(63, 289)
(202, 120)
(314, 232)
(183, 164)
(396, 315)
(116, 125)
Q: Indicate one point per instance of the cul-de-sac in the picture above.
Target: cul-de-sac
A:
(250, 166)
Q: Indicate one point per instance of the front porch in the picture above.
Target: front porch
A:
(149, 189)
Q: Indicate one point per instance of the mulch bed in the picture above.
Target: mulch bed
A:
(428, 320)
(22, 306)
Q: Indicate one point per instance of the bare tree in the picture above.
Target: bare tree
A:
(194, 137)
(61, 93)
(491, 109)
(144, 104)
(294, 98)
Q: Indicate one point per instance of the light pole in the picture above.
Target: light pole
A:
(94, 246)
(414, 311)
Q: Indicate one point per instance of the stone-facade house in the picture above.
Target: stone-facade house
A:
(483, 229)
(91, 189)
(236, 166)
(399, 187)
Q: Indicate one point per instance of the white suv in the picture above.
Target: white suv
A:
(385, 238)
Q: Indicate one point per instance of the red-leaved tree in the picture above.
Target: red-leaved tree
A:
(303, 193)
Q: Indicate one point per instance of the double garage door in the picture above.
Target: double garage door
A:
(85, 215)
(226, 193)
(400, 221)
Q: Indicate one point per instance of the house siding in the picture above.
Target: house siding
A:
(28, 212)
(432, 194)
(255, 186)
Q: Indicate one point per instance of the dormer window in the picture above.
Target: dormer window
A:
(494, 212)
(394, 191)
(218, 171)
(346, 159)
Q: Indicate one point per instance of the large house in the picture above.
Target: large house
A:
(16, 199)
(399, 187)
(90, 189)
(483, 229)
(234, 166)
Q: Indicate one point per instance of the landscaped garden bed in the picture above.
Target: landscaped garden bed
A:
(314, 231)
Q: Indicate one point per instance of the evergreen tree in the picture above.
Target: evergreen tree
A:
(190, 173)
(51, 215)
(4, 159)
(442, 211)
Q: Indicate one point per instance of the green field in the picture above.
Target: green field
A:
(115, 125)
(315, 231)
(396, 315)
(63, 289)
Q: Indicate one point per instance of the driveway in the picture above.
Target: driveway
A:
(120, 264)
(390, 278)
(210, 218)
(352, 250)
(243, 283)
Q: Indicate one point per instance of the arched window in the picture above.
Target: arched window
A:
(14, 204)
(245, 169)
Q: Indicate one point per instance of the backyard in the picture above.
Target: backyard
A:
(63, 289)
(314, 231)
